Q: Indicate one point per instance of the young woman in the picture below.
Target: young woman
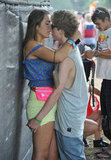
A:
(39, 74)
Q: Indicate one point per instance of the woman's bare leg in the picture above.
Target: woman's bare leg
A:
(42, 141)
(53, 152)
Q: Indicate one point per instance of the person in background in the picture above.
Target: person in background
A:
(81, 20)
(93, 125)
(93, 122)
(71, 92)
(56, 44)
(101, 19)
(39, 73)
(89, 32)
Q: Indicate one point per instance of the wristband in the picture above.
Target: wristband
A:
(70, 41)
(38, 120)
(96, 53)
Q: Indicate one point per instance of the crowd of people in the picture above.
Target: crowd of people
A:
(57, 104)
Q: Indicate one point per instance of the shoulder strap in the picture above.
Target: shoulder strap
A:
(33, 50)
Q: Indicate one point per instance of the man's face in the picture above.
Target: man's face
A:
(101, 25)
(56, 34)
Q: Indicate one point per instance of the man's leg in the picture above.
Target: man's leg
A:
(70, 148)
(107, 91)
(105, 98)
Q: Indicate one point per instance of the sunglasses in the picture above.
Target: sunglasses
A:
(53, 26)
(97, 11)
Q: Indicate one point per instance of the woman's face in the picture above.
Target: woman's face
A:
(45, 27)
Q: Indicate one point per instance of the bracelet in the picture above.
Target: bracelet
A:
(38, 120)
(96, 53)
(70, 41)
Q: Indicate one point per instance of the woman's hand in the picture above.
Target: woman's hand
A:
(33, 125)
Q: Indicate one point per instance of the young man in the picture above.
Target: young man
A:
(71, 92)
(101, 18)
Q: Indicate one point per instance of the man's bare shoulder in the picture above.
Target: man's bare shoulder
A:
(68, 68)
(67, 62)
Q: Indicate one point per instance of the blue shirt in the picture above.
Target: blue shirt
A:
(38, 71)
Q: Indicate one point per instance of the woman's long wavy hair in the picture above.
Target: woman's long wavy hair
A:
(35, 18)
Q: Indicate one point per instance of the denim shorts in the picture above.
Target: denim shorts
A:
(70, 148)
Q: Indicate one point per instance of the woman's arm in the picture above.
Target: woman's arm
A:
(48, 54)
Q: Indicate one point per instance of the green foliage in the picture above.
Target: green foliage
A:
(61, 4)
(79, 5)
(104, 3)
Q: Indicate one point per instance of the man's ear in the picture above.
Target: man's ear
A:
(62, 31)
(106, 19)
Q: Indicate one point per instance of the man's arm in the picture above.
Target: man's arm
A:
(64, 69)
(103, 54)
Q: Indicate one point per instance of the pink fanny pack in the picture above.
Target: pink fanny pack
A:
(42, 93)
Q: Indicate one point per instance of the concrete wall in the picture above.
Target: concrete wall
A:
(15, 137)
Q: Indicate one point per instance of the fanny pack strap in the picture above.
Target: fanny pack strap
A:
(42, 93)
(33, 89)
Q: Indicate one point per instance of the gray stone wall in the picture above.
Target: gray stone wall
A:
(15, 137)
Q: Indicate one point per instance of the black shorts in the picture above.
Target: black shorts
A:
(105, 98)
